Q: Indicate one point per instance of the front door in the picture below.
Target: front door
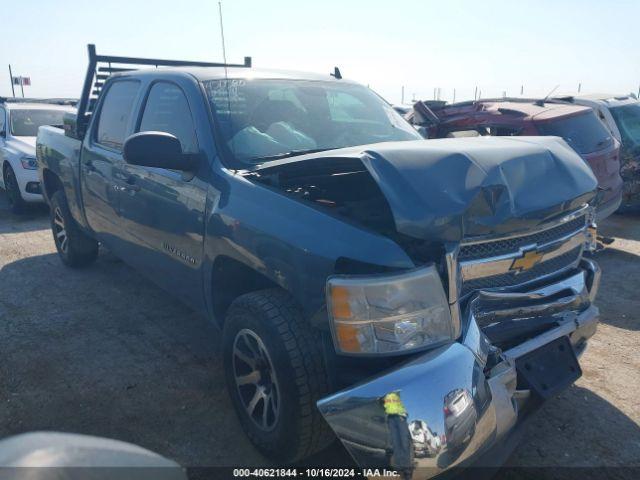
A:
(162, 211)
(102, 156)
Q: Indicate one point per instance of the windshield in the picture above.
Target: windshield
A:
(260, 120)
(627, 119)
(584, 132)
(25, 123)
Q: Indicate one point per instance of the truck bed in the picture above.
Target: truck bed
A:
(60, 155)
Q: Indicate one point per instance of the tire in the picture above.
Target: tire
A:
(17, 204)
(270, 321)
(76, 249)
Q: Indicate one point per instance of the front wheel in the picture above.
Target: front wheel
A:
(76, 249)
(275, 374)
(17, 204)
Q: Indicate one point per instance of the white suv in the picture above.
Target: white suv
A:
(19, 123)
(621, 115)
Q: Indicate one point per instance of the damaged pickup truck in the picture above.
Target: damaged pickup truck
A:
(417, 299)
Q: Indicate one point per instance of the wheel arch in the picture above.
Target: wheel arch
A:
(231, 278)
(51, 183)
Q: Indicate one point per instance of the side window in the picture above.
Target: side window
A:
(167, 110)
(115, 113)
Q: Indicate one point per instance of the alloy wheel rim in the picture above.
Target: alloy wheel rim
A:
(256, 381)
(60, 231)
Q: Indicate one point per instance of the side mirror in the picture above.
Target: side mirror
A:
(3, 134)
(157, 149)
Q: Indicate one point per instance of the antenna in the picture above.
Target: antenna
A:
(226, 75)
(552, 91)
(224, 49)
(541, 102)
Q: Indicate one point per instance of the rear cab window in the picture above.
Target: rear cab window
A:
(584, 132)
(115, 114)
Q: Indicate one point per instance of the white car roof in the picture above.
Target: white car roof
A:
(36, 106)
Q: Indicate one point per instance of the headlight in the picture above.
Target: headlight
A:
(29, 163)
(388, 314)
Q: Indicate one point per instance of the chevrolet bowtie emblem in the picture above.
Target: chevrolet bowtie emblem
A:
(528, 260)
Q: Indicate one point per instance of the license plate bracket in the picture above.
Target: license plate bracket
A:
(551, 368)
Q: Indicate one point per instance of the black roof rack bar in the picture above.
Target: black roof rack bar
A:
(167, 63)
(90, 88)
(114, 69)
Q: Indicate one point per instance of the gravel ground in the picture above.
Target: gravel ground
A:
(103, 351)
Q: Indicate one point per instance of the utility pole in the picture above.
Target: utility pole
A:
(402, 98)
(579, 87)
(454, 96)
(13, 91)
(521, 90)
(475, 93)
(22, 86)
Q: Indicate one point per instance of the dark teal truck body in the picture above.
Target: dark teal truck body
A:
(501, 223)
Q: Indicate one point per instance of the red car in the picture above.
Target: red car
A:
(577, 125)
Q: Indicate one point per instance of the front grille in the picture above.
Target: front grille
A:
(510, 245)
(511, 279)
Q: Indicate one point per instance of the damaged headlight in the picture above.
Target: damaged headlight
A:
(387, 314)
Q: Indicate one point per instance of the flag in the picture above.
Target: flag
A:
(26, 81)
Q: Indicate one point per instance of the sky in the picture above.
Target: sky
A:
(495, 46)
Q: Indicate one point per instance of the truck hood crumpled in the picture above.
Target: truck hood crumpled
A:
(454, 188)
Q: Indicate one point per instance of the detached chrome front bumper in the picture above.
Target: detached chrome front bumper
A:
(461, 399)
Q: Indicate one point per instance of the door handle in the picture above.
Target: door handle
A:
(131, 188)
(89, 165)
(130, 185)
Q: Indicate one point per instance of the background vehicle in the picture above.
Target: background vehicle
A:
(510, 117)
(621, 115)
(19, 122)
(342, 255)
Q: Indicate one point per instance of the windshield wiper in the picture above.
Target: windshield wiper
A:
(292, 153)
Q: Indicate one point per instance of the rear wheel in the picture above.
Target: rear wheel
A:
(76, 249)
(275, 374)
(16, 202)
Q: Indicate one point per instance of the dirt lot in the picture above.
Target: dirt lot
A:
(103, 351)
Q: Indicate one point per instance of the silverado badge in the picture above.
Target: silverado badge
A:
(527, 261)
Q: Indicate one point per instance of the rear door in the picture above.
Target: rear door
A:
(162, 211)
(102, 156)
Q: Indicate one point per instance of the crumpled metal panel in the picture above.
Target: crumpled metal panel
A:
(451, 189)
